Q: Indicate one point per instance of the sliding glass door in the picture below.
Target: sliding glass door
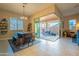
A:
(49, 30)
(42, 28)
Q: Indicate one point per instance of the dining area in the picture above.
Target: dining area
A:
(21, 40)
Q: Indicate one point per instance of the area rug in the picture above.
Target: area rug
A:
(23, 46)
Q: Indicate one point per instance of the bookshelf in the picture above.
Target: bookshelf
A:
(29, 29)
(3, 26)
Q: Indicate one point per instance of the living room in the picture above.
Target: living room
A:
(22, 24)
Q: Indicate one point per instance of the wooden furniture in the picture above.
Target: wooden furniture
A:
(3, 26)
(29, 27)
(68, 33)
(72, 34)
(22, 39)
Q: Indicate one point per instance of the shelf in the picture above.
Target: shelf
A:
(3, 26)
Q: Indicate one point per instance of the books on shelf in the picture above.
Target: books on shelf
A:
(3, 26)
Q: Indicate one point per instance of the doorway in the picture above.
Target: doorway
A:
(37, 28)
(50, 30)
(47, 27)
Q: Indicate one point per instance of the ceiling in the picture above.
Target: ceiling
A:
(49, 17)
(31, 8)
(68, 8)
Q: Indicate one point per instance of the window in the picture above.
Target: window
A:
(13, 24)
(16, 24)
(72, 24)
(20, 24)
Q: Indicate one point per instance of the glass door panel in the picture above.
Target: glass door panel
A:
(42, 28)
(37, 29)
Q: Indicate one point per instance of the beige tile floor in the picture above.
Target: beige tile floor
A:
(3, 47)
(61, 47)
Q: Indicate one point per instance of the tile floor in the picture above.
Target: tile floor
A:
(3, 47)
(61, 47)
